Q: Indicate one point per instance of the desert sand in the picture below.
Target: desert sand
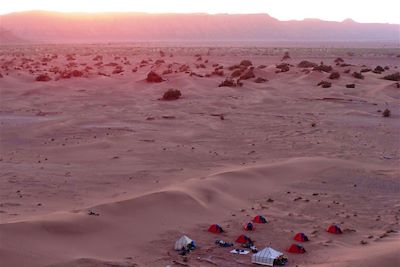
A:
(97, 170)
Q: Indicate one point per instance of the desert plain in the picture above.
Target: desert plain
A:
(98, 170)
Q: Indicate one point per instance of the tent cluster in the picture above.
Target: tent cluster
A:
(267, 256)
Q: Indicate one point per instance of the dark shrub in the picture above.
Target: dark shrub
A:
(229, 82)
(283, 67)
(307, 64)
(236, 73)
(98, 58)
(334, 75)
(365, 70)
(159, 61)
(43, 78)
(286, 56)
(76, 73)
(247, 75)
(351, 85)
(260, 80)
(358, 75)
(386, 113)
(153, 77)
(218, 72)
(323, 68)
(324, 84)
(172, 94)
(393, 77)
(339, 60)
(168, 71)
(246, 63)
(379, 69)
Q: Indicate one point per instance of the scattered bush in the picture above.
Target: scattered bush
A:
(393, 77)
(351, 85)
(153, 77)
(386, 113)
(334, 75)
(358, 75)
(307, 64)
(172, 94)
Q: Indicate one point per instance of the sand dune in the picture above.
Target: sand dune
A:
(96, 170)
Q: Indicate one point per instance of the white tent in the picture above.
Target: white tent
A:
(266, 256)
(182, 242)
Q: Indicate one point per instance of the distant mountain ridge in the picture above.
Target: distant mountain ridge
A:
(53, 27)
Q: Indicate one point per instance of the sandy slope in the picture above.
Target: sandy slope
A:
(155, 169)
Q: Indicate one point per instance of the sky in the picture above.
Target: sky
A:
(384, 11)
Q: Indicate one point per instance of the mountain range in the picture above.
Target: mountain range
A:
(54, 27)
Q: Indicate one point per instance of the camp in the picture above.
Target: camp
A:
(301, 237)
(249, 227)
(269, 256)
(184, 243)
(334, 229)
(259, 219)
(215, 228)
(296, 248)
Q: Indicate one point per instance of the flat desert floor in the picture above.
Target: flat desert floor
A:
(98, 170)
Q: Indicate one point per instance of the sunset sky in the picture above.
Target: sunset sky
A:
(385, 11)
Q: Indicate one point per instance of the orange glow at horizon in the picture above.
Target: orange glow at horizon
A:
(384, 11)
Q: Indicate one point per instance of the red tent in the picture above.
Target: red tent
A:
(296, 248)
(249, 227)
(215, 228)
(244, 239)
(334, 229)
(301, 237)
(259, 219)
